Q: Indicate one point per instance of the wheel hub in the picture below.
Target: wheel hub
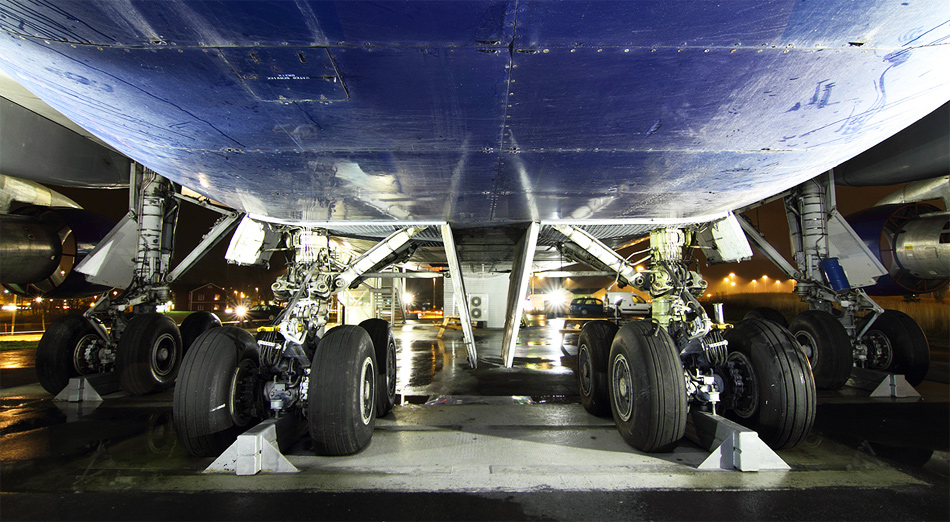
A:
(163, 359)
(622, 388)
(585, 369)
(87, 356)
(244, 393)
(809, 346)
(367, 391)
(745, 388)
(880, 351)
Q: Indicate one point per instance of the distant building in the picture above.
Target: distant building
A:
(209, 298)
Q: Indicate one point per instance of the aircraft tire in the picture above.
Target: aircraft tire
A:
(220, 369)
(827, 347)
(194, 325)
(593, 349)
(900, 344)
(777, 397)
(385, 347)
(59, 351)
(769, 314)
(341, 406)
(646, 387)
(149, 354)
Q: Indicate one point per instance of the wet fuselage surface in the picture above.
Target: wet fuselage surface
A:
(463, 443)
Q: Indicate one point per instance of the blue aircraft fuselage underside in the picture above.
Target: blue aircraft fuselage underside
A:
(483, 112)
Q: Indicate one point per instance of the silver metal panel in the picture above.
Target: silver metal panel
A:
(517, 290)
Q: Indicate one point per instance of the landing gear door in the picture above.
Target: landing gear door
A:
(724, 241)
(252, 243)
(859, 264)
(112, 263)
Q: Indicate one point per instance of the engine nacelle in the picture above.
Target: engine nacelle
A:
(39, 246)
(912, 241)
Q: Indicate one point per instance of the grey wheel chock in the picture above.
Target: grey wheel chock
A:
(882, 384)
(254, 451)
(79, 389)
(896, 386)
(731, 445)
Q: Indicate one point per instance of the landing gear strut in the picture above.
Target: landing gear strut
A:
(339, 380)
(836, 339)
(658, 370)
(143, 348)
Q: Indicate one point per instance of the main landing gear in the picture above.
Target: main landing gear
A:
(650, 374)
(123, 333)
(339, 380)
(843, 328)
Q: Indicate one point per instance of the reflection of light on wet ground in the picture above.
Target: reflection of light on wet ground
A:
(17, 359)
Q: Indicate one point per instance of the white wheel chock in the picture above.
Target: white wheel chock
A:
(894, 386)
(882, 384)
(79, 389)
(254, 451)
(731, 446)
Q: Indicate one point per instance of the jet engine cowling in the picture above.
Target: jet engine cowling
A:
(39, 246)
(912, 241)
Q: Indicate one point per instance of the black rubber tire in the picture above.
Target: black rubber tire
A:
(910, 352)
(647, 388)
(149, 354)
(593, 349)
(194, 325)
(584, 312)
(56, 351)
(769, 314)
(784, 409)
(341, 406)
(207, 418)
(827, 346)
(384, 344)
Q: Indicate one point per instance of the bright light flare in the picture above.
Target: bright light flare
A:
(408, 298)
(240, 311)
(558, 298)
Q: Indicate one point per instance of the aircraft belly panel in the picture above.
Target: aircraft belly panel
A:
(484, 111)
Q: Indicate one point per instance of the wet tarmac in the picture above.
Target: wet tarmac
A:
(469, 444)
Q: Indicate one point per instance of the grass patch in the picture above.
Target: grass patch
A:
(17, 345)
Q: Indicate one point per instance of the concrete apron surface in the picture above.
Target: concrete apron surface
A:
(461, 430)
(467, 447)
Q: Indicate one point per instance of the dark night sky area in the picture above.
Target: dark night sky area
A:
(194, 222)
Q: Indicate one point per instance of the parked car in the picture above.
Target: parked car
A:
(262, 312)
(627, 303)
(587, 306)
